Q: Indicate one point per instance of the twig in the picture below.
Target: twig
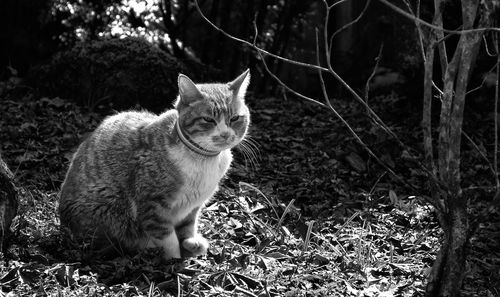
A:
(265, 288)
(487, 48)
(427, 107)
(410, 16)
(474, 145)
(438, 21)
(376, 183)
(344, 27)
(371, 114)
(417, 25)
(178, 285)
(285, 86)
(262, 194)
(285, 212)
(258, 49)
(377, 61)
(492, 167)
(349, 220)
(484, 80)
(335, 4)
(308, 236)
(346, 124)
(246, 292)
(495, 150)
(251, 217)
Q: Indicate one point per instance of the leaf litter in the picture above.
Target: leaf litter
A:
(313, 216)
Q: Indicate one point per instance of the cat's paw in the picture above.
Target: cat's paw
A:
(195, 246)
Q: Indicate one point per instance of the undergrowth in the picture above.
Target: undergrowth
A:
(312, 217)
(251, 254)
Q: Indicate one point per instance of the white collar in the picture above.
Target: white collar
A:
(192, 145)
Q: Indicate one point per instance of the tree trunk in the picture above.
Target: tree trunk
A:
(167, 16)
(8, 202)
(448, 270)
(343, 15)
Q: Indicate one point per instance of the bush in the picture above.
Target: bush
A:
(121, 72)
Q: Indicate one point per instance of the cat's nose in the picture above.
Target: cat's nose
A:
(225, 135)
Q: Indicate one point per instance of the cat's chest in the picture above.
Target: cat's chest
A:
(200, 179)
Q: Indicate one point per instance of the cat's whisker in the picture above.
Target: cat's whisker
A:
(249, 162)
(253, 144)
(249, 154)
(253, 157)
(242, 149)
(246, 156)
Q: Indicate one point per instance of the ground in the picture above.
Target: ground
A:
(306, 213)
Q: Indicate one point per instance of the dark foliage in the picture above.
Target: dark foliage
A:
(370, 236)
(27, 34)
(35, 31)
(282, 28)
(121, 72)
(8, 202)
(259, 239)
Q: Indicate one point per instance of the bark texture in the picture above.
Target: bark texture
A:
(8, 202)
(449, 268)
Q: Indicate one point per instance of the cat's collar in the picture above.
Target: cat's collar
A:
(193, 146)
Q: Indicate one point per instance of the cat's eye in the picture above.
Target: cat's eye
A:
(208, 120)
(234, 119)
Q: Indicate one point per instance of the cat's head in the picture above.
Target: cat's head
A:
(213, 116)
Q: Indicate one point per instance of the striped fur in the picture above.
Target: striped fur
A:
(133, 184)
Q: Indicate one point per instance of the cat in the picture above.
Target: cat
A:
(140, 180)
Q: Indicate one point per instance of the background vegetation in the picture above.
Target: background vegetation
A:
(338, 197)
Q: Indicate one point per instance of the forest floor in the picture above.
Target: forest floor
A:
(310, 215)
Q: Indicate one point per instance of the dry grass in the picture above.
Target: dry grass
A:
(301, 222)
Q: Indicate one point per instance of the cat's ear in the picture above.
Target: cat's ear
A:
(240, 84)
(188, 92)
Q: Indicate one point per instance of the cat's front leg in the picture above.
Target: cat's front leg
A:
(192, 243)
(166, 238)
(171, 247)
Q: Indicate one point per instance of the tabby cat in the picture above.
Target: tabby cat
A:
(140, 180)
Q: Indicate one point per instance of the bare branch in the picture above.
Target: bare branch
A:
(427, 108)
(334, 4)
(476, 147)
(495, 151)
(469, 49)
(445, 115)
(350, 24)
(346, 124)
(487, 48)
(285, 86)
(427, 101)
(377, 61)
(328, 47)
(260, 50)
(467, 137)
(421, 39)
(412, 17)
(438, 21)
(417, 25)
(371, 114)
(322, 82)
(484, 80)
